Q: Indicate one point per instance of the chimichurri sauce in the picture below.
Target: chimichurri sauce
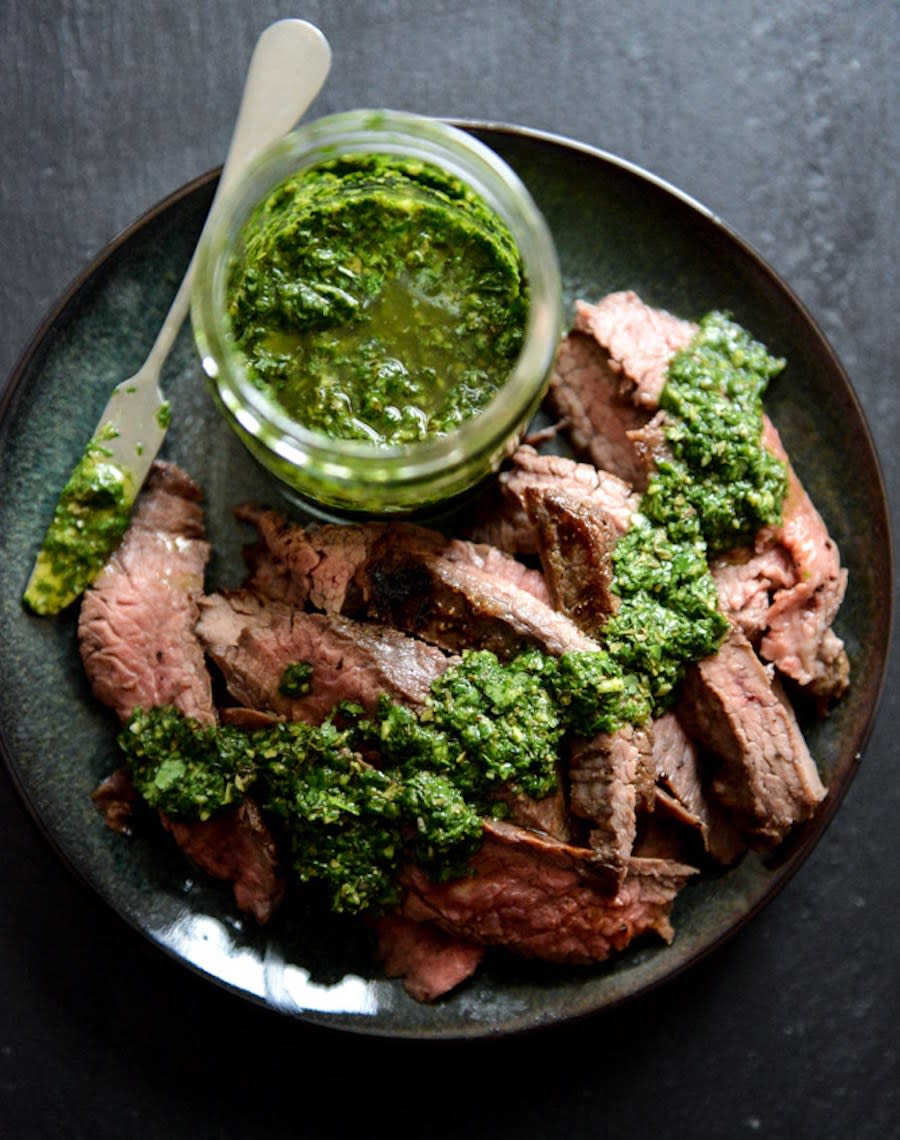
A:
(720, 476)
(716, 487)
(378, 299)
(350, 825)
(487, 725)
(90, 519)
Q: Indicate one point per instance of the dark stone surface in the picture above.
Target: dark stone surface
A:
(783, 119)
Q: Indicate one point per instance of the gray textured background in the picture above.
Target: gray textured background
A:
(782, 118)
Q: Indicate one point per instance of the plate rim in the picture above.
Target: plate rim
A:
(805, 838)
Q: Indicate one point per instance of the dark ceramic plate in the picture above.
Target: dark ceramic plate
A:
(615, 227)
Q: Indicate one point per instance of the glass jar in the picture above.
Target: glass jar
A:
(357, 476)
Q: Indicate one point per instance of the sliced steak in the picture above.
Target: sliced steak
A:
(540, 898)
(325, 566)
(237, 846)
(785, 592)
(683, 794)
(767, 777)
(604, 775)
(608, 376)
(746, 580)
(453, 593)
(796, 563)
(640, 341)
(458, 605)
(430, 962)
(507, 523)
(313, 565)
(140, 648)
(547, 815)
(587, 394)
(117, 800)
(498, 563)
(253, 640)
(575, 542)
(136, 626)
(798, 638)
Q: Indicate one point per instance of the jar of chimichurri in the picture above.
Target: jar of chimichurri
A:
(377, 311)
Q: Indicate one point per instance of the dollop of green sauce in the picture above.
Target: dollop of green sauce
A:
(378, 298)
(349, 825)
(714, 490)
(364, 794)
(720, 479)
(89, 521)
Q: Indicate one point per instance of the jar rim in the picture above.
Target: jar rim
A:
(400, 134)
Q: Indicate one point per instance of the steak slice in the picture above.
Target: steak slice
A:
(237, 846)
(544, 899)
(682, 793)
(117, 800)
(499, 564)
(253, 640)
(430, 962)
(746, 580)
(547, 815)
(507, 523)
(785, 592)
(325, 566)
(140, 649)
(314, 565)
(767, 777)
(798, 639)
(136, 625)
(640, 341)
(453, 593)
(586, 393)
(575, 541)
(458, 605)
(608, 376)
(604, 775)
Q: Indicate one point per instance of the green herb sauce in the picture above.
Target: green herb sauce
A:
(668, 614)
(164, 415)
(378, 298)
(715, 490)
(720, 476)
(185, 769)
(296, 680)
(489, 725)
(350, 826)
(89, 521)
(485, 724)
